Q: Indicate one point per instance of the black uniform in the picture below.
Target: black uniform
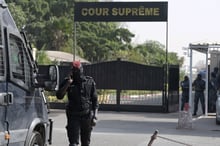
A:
(199, 86)
(212, 93)
(185, 91)
(81, 109)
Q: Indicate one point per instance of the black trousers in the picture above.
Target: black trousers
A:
(185, 99)
(199, 96)
(78, 127)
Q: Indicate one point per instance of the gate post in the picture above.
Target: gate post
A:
(165, 90)
(118, 96)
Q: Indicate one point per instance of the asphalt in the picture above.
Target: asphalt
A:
(136, 129)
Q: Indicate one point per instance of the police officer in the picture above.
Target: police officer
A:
(82, 107)
(212, 92)
(185, 91)
(199, 86)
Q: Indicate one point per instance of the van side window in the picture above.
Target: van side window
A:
(28, 70)
(20, 66)
(16, 58)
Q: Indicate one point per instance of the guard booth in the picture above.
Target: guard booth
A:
(212, 53)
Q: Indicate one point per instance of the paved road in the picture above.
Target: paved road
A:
(136, 129)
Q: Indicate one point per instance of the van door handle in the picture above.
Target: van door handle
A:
(6, 98)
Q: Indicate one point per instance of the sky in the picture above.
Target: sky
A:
(189, 21)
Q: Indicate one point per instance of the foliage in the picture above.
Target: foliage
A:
(154, 53)
(18, 13)
(100, 40)
(42, 58)
(54, 99)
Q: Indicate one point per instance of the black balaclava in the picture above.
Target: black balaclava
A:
(77, 71)
(186, 78)
(199, 76)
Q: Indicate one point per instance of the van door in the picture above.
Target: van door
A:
(3, 91)
(19, 112)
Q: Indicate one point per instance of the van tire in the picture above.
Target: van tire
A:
(36, 139)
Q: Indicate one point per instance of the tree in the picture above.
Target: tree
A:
(153, 53)
(18, 14)
(46, 25)
(101, 40)
(173, 59)
(42, 58)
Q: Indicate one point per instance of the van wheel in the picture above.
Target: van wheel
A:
(36, 139)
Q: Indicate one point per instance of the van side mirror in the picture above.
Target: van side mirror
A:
(48, 77)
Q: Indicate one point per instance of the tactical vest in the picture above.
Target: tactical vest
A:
(199, 85)
(79, 96)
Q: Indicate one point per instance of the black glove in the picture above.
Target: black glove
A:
(94, 121)
(94, 118)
